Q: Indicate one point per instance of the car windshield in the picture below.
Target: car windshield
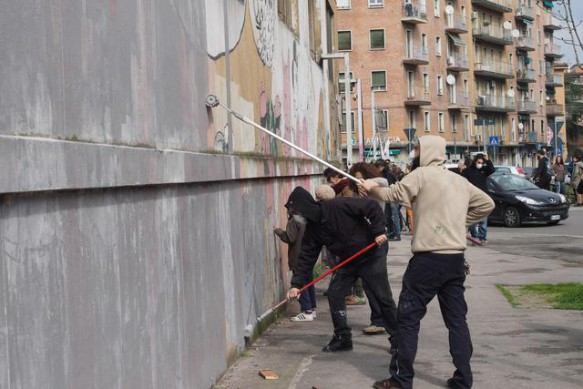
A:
(502, 169)
(512, 182)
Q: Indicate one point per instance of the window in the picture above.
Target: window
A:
(343, 128)
(379, 80)
(411, 119)
(436, 8)
(377, 39)
(513, 130)
(375, 3)
(424, 42)
(441, 121)
(439, 85)
(467, 128)
(343, 4)
(344, 40)
(427, 121)
(381, 120)
(453, 123)
(438, 46)
(341, 81)
(425, 83)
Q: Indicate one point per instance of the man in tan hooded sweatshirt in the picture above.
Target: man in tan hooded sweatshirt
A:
(444, 205)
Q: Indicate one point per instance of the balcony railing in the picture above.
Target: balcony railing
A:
(553, 80)
(494, 69)
(526, 107)
(526, 75)
(495, 5)
(525, 43)
(458, 62)
(414, 12)
(550, 22)
(553, 50)
(554, 109)
(492, 34)
(495, 104)
(525, 12)
(530, 137)
(416, 56)
(459, 100)
(417, 97)
(456, 23)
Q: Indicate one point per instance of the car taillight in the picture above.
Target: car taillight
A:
(520, 171)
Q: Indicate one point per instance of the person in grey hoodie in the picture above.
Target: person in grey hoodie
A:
(444, 204)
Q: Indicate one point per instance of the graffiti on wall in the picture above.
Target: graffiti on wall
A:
(215, 31)
(264, 18)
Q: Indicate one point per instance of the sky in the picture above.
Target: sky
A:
(577, 7)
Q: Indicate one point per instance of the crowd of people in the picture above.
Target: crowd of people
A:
(441, 208)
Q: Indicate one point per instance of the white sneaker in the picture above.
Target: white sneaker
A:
(314, 313)
(303, 317)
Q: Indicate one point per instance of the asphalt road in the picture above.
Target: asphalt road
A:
(563, 241)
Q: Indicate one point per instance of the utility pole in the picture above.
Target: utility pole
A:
(347, 99)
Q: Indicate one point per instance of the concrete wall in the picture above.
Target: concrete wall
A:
(135, 248)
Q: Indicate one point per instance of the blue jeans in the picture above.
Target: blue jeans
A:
(559, 187)
(307, 298)
(480, 229)
(395, 219)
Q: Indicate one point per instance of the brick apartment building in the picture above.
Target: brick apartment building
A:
(480, 73)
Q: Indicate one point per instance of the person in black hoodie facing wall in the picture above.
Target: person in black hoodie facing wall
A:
(345, 226)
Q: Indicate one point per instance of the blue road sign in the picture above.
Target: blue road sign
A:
(494, 140)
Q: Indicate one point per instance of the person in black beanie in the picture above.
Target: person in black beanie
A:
(345, 226)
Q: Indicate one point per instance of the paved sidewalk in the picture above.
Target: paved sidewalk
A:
(513, 348)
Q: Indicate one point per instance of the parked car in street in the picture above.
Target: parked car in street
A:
(510, 170)
(520, 201)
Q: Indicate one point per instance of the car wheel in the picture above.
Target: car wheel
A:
(553, 223)
(511, 217)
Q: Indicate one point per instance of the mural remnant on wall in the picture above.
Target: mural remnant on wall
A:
(264, 18)
(215, 31)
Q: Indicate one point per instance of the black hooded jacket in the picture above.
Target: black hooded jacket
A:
(344, 225)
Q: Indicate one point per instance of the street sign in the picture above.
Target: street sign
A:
(494, 140)
(410, 133)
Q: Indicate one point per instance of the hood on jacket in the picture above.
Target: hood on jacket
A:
(431, 150)
(301, 200)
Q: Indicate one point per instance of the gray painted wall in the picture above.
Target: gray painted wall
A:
(130, 256)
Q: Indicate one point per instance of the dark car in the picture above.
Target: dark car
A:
(520, 201)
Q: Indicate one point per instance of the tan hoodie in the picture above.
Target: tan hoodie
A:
(444, 203)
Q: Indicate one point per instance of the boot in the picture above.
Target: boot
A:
(339, 343)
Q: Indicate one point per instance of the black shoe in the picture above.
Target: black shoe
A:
(339, 343)
(452, 384)
(395, 238)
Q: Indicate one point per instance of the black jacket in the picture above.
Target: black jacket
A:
(477, 177)
(344, 225)
(541, 175)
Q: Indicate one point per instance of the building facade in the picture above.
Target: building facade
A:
(136, 223)
(480, 73)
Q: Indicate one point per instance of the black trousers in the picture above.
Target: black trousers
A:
(372, 268)
(428, 275)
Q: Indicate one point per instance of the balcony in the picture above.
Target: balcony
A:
(414, 13)
(459, 100)
(458, 62)
(526, 107)
(524, 12)
(550, 22)
(554, 109)
(553, 80)
(495, 5)
(501, 70)
(524, 43)
(553, 50)
(491, 103)
(526, 75)
(417, 98)
(416, 56)
(456, 24)
(490, 34)
(529, 137)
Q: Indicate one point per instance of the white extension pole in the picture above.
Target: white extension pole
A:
(360, 130)
(348, 102)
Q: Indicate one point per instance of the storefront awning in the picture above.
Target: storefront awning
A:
(456, 39)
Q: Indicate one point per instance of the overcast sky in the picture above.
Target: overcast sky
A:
(577, 7)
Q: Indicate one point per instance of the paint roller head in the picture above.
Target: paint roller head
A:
(212, 101)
